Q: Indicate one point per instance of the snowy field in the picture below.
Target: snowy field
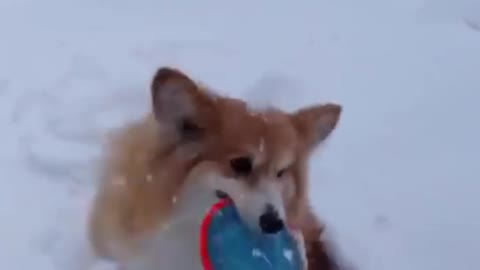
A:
(398, 183)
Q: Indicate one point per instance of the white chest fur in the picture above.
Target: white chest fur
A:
(176, 245)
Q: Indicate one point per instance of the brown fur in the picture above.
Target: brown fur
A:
(146, 163)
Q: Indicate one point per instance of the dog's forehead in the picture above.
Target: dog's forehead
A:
(275, 131)
(264, 133)
(280, 136)
(278, 129)
(240, 124)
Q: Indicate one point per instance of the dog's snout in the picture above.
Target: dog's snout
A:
(270, 221)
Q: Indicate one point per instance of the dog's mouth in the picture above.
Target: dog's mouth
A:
(268, 222)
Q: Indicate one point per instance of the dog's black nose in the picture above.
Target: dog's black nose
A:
(270, 222)
(221, 194)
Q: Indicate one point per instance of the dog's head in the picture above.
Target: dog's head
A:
(259, 156)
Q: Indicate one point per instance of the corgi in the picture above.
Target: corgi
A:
(192, 146)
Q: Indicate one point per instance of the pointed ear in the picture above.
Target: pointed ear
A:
(179, 104)
(314, 124)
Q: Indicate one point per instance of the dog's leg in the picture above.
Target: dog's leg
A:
(318, 252)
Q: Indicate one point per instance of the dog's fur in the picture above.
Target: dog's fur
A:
(147, 164)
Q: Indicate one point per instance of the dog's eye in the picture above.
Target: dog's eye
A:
(189, 129)
(281, 173)
(241, 165)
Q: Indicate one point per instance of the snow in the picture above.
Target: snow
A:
(397, 182)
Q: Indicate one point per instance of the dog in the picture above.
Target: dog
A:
(195, 144)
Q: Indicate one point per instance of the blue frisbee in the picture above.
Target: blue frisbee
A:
(226, 243)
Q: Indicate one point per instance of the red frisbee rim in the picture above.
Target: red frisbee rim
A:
(205, 225)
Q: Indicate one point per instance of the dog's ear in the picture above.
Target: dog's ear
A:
(314, 124)
(179, 104)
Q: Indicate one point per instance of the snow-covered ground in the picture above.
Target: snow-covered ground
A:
(398, 182)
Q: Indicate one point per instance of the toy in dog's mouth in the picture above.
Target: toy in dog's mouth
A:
(269, 222)
(226, 242)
